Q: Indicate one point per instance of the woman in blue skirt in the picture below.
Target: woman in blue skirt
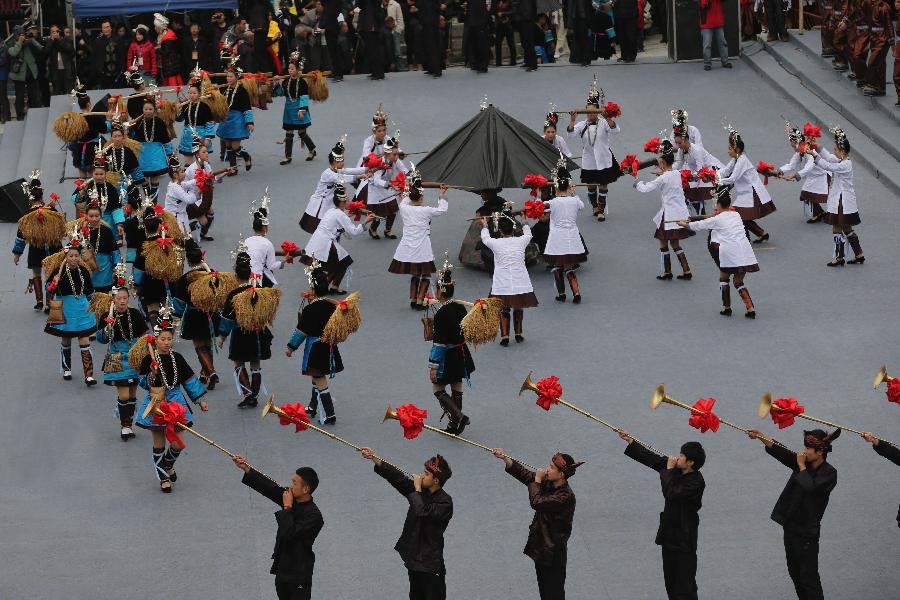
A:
(166, 374)
(72, 285)
(123, 327)
(153, 134)
(98, 189)
(238, 125)
(296, 109)
(198, 122)
(83, 148)
(98, 237)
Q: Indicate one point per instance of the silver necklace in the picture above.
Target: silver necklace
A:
(162, 371)
(152, 136)
(72, 282)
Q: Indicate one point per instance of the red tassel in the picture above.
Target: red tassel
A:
(549, 392)
(412, 420)
(786, 411)
(296, 416)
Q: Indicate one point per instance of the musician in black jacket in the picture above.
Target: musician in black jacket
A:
(421, 544)
(887, 450)
(682, 488)
(299, 522)
(802, 504)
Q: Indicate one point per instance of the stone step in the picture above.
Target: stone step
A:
(9, 150)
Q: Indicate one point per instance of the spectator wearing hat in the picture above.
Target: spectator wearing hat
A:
(60, 61)
(23, 57)
(169, 52)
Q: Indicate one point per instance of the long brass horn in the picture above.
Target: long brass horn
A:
(390, 413)
(881, 377)
(271, 408)
(528, 384)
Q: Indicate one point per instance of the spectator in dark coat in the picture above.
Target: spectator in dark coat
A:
(525, 14)
(503, 31)
(24, 52)
(371, 20)
(579, 13)
(104, 60)
(168, 53)
(626, 15)
(83, 68)
(60, 62)
(195, 50)
(477, 33)
(328, 21)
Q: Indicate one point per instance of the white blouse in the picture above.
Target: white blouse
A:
(696, 157)
(741, 173)
(262, 256)
(594, 138)
(369, 146)
(380, 190)
(564, 237)
(415, 245)
(842, 183)
(177, 200)
(673, 205)
(325, 188)
(333, 224)
(190, 176)
(728, 230)
(559, 142)
(510, 275)
(694, 136)
(814, 177)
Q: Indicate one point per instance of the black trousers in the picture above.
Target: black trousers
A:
(61, 82)
(374, 53)
(29, 88)
(526, 36)
(291, 590)
(4, 101)
(775, 17)
(551, 580)
(478, 47)
(803, 565)
(581, 51)
(335, 53)
(504, 32)
(432, 59)
(680, 573)
(626, 33)
(427, 586)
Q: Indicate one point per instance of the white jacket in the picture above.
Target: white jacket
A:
(673, 205)
(694, 136)
(741, 173)
(510, 275)
(559, 142)
(333, 224)
(596, 156)
(564, 237)
(728, 230)
(322, 196)
(415, 245)
(841, 185)
(177, 201)
(262, 257)
(380, 190)
(696, 157)
(813, 177)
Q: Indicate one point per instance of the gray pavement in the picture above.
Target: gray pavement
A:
(81, 515)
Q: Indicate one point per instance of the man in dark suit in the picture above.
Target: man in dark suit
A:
(328, 21)
(478, 21)
(371, 20)
(626, 14)
(525, 13)
(432, 49)
(60, 61)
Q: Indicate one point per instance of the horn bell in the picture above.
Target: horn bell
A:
(153, 405)
(659, 396)
(880, 377)
(269, 405)
(528, 384)
(390, 413)
(765, 405)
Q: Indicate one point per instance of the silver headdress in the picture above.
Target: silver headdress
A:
(734, 136)
(28, 185)
(595, 95)
(122, 280)
(165, 320)
(379, 118)
(311, 269)
(840, 138)
(241, 248)
(259, 209)
(445, 273)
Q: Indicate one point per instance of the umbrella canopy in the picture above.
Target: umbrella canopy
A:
(492, 150)
(101, 8)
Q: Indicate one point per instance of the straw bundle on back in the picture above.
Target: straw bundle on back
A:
(163, 260)
(137, 353)
(481, 323)
(167, 112)
(70, 126)
(318, 87)
(43, 226)
(209, 290)
(217, 104)
(255, 308)
(252, 90)
(99, 304)
(345, 320)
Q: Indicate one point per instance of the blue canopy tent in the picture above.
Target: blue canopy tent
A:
(102, 8)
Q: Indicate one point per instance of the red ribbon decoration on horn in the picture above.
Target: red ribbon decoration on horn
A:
(412, 420)
(765, 169)
(173, 413)
(652, 145)
(535, 182)
(296, 416)
(549, 392)
(786, 412)
(534, 209)
(707, 420)
(893, 390)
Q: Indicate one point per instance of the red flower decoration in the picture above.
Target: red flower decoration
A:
(399, 182)
(109, 320)
(766, 169)
(296, 415)
(343, 306)
(173, 414)
(154, 364)
(535, 182)
(534, 209)
(51, 286)
(150, 339)
(158, 209)
(204, 181)
(814, 131)
(652, 145)
(428, 296)
(412, 420)
(893, 390)
(706, 174)
(373, 161)
(630, 163)
(54, 196)
(354, 209)
(128, 210)
(549, 392)
(612, 110)
(686, 176)
(288, 248)
(707, 419)
(307, 295)
(79, 183)
(785, 411)
(165, 243)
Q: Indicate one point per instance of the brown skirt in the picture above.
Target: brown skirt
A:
(739, 270)
(757, 211)
(308, 223)
(526, 300)
(363, 194)
(679, 233)
(564, 260)
(813, 197)
(840, 218)
(410, 268)
(385, 209)
(698, 193)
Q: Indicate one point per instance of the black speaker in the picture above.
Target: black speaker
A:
(684, 39)
(13, 201)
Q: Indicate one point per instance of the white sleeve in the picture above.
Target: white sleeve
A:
(526, 235)
(269, 260)
(679, 160)
(348, 225)
(824, 153)
(616, 129)
(351, 171)
(440, 209)
(710, 223)
(576, 131)
(486, 238)
(564, 147)
(843, 166)
(648, 186)
(808, 165)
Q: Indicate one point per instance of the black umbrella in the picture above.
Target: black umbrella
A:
(492, 150)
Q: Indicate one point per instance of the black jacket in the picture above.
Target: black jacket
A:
(525, 10)
(205, 57)
(679, 520)
(477, 13)
(892, 453)
(625, 9)
(293, 558)
(421, 544)
(803, 501)
(554, 510)
(60, 51)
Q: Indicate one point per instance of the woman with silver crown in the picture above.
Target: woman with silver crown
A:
(247, 345)
(449, 361)
(38, 249)
(374, 144)
(121, 330)
(153, 135)
(166, 375)
(84, 148)
(238, 124)
(120, 159)
(296, 109)
(263, 263)
(843, 210)
(98, 189)
(320, 361)
(151, 291)
(382, 199)
(325, 243)
(802, 167)
(72, 284)
(178, 196)
(101, 243)
(320, 200)
(751, 199)
(197, 117)
(557, 141)
(414, 256)
(673, 207)
(197, 325)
